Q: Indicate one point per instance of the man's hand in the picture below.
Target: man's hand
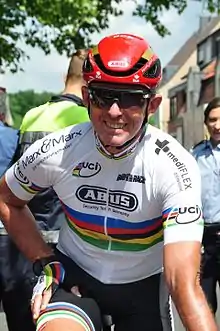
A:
(48, 282)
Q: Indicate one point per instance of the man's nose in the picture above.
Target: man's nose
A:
(115, 110)
(217, 124)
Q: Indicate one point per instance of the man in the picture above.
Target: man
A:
(9, 138)
(8, 144)
(207, 154)
(61, 111)
(131, 196)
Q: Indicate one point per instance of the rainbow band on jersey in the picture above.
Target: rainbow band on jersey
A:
(64, 311)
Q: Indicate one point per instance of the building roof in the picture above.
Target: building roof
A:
(191, 44)
(209, 28)
(184, 52)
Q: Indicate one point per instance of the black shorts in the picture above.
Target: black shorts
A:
(133, 306)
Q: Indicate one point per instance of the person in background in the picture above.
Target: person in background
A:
(62, 110)
(207, 154)
(8, 145)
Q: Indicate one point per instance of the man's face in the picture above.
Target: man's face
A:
(117, 113)
(213, 124)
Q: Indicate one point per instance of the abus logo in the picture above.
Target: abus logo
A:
(102, 196)
(86, 169)
(19, 174)
(188, 214)
(118, 64)
(162, 146)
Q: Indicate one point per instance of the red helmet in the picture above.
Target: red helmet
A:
(125, 59)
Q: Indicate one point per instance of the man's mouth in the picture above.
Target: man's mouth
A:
(115, 125)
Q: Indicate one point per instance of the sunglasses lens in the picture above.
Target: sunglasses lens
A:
(98, 98)
(129, 100)
(104, 98)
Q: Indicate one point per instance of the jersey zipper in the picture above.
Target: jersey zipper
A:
(106, 223)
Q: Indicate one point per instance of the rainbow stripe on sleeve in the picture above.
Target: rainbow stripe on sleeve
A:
(32, 189)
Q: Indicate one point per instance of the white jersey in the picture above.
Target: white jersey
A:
(120, 210)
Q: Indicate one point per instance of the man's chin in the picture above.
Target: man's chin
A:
(114, 141)
(117, 142)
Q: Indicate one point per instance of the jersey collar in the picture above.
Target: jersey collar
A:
(125, 153)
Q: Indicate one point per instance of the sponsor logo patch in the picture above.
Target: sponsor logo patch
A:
(112, 198)
(188, 214)
(131, 178)
(47, 145)
(86, 169)
(183, 171)
(182, 215)
(19, 174)
(118, 64)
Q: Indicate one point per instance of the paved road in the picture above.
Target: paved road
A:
(178, 325)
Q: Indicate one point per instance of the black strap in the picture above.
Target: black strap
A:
(67, 97)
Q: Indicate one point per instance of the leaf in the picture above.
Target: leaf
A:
(69, 24)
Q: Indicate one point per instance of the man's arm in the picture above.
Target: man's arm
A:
(181, 268)
(180, 193)
(20, 224)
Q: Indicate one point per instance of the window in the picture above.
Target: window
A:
(173, 108)
(205, 52)
(208, 50)
(215, 43)
(201, 55)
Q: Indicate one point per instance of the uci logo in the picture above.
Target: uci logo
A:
(188, 214)
(86, 169)
(19, 174)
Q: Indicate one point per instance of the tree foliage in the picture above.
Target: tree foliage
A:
(69, 24)
(22, 101)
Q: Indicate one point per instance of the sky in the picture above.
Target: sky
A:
(46, 73)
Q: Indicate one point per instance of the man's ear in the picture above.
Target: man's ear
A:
(155, 102)
(85, 95)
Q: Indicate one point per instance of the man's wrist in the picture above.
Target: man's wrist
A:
(39, 264)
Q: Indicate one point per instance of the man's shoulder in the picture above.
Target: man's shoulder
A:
(52, 116)
(168, 151)
(7, 132)
(51, 148)
(163, 141)
(199, 147)
(31, 115)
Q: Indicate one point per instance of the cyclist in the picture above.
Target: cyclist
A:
(131, 196)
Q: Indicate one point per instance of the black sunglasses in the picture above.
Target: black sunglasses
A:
(105, 97)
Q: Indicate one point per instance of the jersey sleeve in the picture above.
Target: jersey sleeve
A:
(180, 192)
(30, 175)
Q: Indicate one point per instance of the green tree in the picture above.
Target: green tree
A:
(22, 101)
(68, 24)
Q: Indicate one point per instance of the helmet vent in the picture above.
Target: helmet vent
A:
(154, 71)
(138, 65)
(87, 66)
